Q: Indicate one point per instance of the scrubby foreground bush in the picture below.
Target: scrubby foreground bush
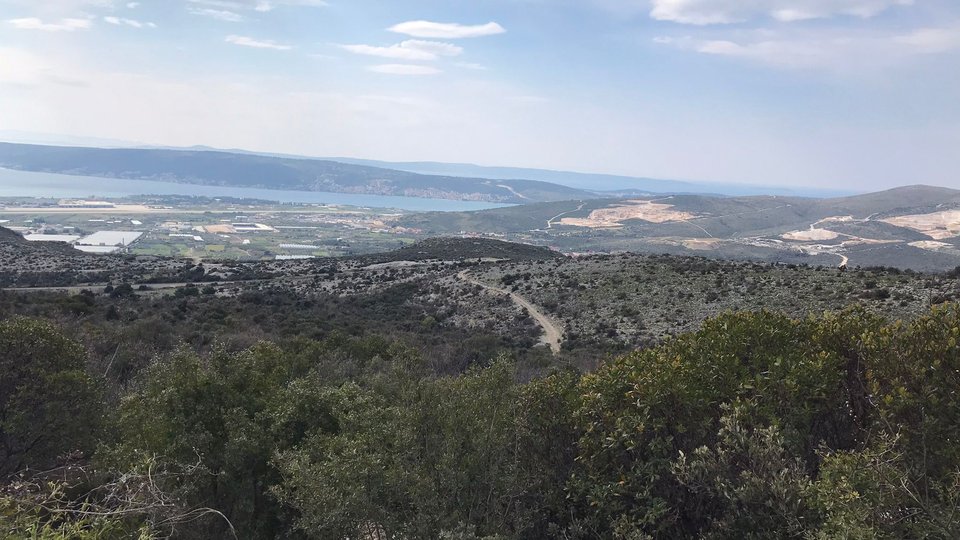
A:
(756, 426)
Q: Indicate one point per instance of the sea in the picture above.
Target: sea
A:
(49, 185)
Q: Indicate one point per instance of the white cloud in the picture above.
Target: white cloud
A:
(411, 49)
(245, 41)
(133, 5)
(427, 29)
(63, 25)
(438, 48)
(781, 53)
(120, 21)
(491, 122)
(393, 51)
(257, 5)
(60, 8)
(840, 50)
(931, 40)
(269, 5)
(704, 12)
(22, 68)
(219, 14)
(404, 69)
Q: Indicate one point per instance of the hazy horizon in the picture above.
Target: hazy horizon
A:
(850, 95)
(696, 185)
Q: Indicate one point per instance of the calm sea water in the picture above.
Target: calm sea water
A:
(35, 184)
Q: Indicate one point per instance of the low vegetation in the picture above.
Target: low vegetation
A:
(395, 396)
(756, 425)
(631, 301)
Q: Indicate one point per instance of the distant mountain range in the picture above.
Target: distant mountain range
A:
(270, 172)
(240, 168)
(607, 184)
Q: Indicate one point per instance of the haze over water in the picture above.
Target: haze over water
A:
(36, 184)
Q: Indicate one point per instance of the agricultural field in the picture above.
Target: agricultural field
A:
(200, 228)
(912, 228)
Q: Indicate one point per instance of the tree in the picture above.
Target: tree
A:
(353, 479)
(226, 414)
(413, 458)
(49, 406)
(641, 411)
(747, 485)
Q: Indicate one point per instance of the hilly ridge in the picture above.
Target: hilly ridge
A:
(915, 227)
(259, 171)
(605, 183)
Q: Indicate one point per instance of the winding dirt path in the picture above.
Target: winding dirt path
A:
(552, 334)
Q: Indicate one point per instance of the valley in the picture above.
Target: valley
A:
(913, 227)
(525, 300)
(909, 228)
(312, 346)
(530, 270)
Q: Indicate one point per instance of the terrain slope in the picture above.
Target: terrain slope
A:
(259, 171)
(915, 227)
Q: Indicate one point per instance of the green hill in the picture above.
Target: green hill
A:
(268, 172)
(451, 249)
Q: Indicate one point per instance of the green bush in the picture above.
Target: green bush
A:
(49, 406)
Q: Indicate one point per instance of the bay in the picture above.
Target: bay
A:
(39, 184)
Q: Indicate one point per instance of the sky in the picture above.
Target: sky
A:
(836, 94)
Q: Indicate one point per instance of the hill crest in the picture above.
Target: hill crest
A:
(259, 171)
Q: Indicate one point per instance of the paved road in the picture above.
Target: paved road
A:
(552, 334)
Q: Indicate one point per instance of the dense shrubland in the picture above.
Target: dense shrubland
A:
(633, 301)
(755, 426)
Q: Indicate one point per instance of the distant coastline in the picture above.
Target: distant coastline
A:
(14, 183)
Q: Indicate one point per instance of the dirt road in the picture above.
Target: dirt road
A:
(560, 215)
(552, 334)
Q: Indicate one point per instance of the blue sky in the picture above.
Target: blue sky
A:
(846, 94)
